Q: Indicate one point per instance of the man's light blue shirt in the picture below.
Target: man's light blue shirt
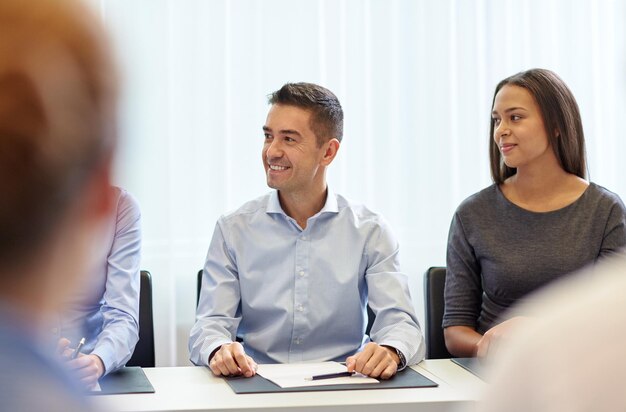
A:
(296, 295)
(106, 312)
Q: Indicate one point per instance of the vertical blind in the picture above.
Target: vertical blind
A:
(415, 78)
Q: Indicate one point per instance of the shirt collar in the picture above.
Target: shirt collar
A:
(331, 206)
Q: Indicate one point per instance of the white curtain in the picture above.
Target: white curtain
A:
(415, 78)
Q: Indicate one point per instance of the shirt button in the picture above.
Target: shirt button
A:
(303, 238)
(301, 273)
(300, 308)
(297, 341)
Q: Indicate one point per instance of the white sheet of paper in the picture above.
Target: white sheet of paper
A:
(296, 375)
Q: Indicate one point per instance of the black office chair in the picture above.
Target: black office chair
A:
(370, 313)
(199, 287)
(434, 282)
(144, 350)
(370, 320)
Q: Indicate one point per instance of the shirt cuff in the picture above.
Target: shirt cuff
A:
(208, 350)
(106, 358)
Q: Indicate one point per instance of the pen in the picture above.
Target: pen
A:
(78, 348)
(330, 376)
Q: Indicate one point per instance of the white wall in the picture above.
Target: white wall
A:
(415, 78)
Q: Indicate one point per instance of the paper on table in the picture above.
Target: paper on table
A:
(295, 375)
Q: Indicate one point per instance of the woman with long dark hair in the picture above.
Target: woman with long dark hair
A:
(540, 220)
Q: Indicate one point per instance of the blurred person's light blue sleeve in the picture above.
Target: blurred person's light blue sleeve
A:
(120, 308)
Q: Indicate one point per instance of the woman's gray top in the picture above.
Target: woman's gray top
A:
(499, 252)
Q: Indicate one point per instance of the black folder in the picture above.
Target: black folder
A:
(407, 378)
(471, 364)
(130, 379)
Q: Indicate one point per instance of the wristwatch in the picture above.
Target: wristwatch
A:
(402, 363)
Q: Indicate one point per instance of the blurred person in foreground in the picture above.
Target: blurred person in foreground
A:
(571, 356)
(57, 126)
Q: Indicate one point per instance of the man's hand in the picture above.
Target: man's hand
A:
(374, 361)
(88, 369)
(492, 339)
(231, 360)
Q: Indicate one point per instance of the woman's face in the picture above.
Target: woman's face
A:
(518, 128)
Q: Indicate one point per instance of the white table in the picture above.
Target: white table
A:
(196, 389)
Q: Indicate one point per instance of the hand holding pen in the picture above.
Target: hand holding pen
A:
(87, 368)
(78, 348)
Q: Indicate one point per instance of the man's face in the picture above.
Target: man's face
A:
(291, 157)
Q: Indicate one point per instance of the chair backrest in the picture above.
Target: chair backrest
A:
(370, 320)
(144, 350)
(370, 313)
(199, 287)
(434, 282)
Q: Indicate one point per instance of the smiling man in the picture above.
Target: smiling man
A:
(289, 275)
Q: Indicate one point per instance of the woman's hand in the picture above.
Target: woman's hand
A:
(494, 337)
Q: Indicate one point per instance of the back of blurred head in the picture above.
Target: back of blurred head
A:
(57, 135)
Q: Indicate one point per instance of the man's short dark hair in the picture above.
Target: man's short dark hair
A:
(327, 114)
